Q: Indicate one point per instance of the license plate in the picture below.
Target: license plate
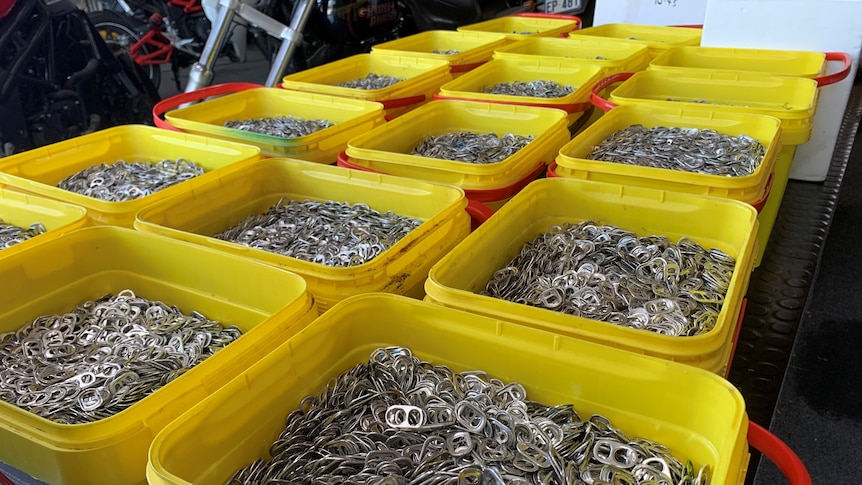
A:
(563, 6)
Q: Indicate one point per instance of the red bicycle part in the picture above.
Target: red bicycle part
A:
(175, 102)
(188, 6)
(160, 48)
(6, 6)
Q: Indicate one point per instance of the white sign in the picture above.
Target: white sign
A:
(650, 12)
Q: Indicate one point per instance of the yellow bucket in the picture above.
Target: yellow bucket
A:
(805, 64)
(657, 38)
(38, 171)
(729, 225)
(643, 396)
(350, 117)
(572, 160)
(580, 77)
(611, 55)
(266, 303)
(253, 188)
(23, 210)
(387, 149)
(521, 26)
(462, 50)
(421, 80)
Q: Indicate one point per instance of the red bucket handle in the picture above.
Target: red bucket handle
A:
(779, 453)
(597, 99)
(839, 76)
(479, 213)
(175, 102)
(402, 102)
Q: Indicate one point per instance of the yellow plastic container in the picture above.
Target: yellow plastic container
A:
(517, 27)
(643, 396)
(474, 48)
(267, 303)
(581, 77)
(792, 100)
(766, 61)
(23, 210)
(657, 38)
(422, 78)
(769, 213)
(456, 280)
(351, 117)
(38, 171)
(387, 149)
(197, 215)
(611, 55)
(572, 160)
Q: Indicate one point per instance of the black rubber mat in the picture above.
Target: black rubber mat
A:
(779, 288)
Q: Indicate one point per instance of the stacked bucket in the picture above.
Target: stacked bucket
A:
(304, 322)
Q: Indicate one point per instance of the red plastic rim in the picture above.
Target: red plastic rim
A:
(779, 453)
(175, 102)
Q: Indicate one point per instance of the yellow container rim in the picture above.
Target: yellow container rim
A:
(22, 209)
(654, 36)
(792, 100)
(344, 113)
(581, 76)
(517, 27)
(472, 47)
(611, 54)
(747, 188)
(417, 72)
(773, 62)
(39, 170)
(544, 124)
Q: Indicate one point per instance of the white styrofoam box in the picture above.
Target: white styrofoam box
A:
(822, 26)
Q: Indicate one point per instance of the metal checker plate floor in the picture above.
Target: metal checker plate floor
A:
(779, 289)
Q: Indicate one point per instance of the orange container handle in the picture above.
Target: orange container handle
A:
(779, 453)
(479, 213)
(459, 68)
(597, 99)
(839, 76)
(175, 102)
(402, 102)
(344, 161)
(552, 171)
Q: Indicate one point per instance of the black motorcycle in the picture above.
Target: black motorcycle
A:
(59, 79)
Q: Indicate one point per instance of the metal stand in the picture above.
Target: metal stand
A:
(201, 73)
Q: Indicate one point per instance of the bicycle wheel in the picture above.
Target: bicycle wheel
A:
(120, 33)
